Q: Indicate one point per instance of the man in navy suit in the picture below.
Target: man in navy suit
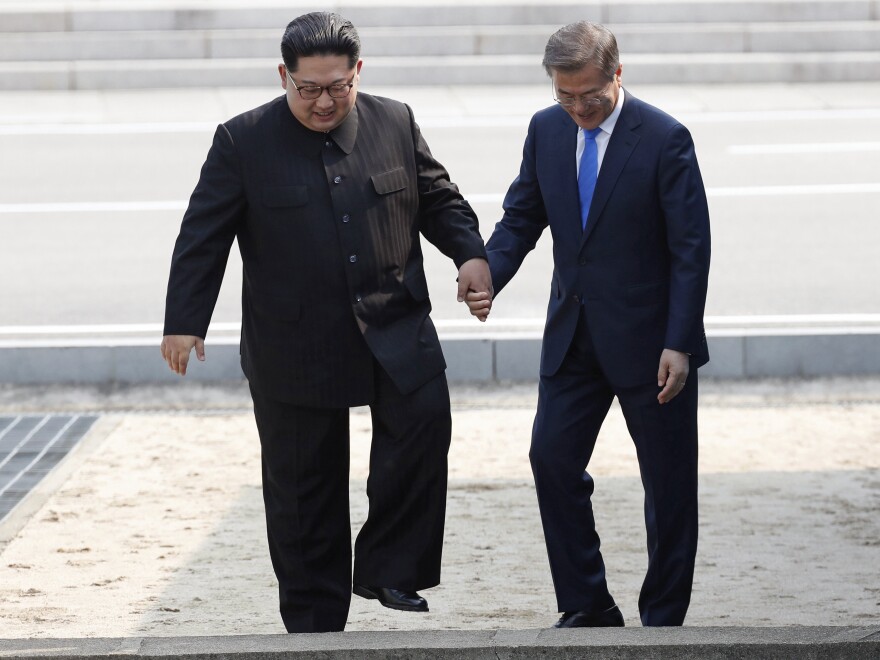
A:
(625, 318)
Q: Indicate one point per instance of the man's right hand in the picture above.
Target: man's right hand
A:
(176, 349)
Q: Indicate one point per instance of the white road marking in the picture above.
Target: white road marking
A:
(808, 148)
(476, 198)
(9, 125)
(227, 333)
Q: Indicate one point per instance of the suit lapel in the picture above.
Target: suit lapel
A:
(564, 171)
(620, 147)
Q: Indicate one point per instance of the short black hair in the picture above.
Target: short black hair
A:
(319, 33)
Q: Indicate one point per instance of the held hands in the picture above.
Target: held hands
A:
(475, 287)
(672, 374)
(176, 349)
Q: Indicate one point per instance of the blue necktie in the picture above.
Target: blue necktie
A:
(588, 172)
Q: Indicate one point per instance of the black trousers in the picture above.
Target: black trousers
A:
(572, 405)
(305, 460)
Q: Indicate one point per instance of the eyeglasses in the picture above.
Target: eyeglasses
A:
(583, 99)
(312, 92)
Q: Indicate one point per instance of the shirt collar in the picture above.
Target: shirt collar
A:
(610, 122)
(345, 134)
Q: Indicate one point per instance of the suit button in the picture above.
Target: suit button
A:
(582, 262)
(358, 298)
(328, 143)
(337, 179)
(353, 258)
(346, 217)
(576, 298)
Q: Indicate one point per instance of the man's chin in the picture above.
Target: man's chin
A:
(590, 122)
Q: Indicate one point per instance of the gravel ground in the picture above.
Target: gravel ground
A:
(154, 526)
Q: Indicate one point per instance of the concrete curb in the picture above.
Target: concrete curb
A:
(471, 358)
(850, 643)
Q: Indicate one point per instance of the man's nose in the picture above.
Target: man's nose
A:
(325, 100)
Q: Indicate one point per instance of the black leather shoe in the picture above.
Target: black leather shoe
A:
(396, 599)
(610, 618)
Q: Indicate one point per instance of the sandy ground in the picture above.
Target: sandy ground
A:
(154, 527)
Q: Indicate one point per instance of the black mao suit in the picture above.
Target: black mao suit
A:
(623, 289)
(334, 314)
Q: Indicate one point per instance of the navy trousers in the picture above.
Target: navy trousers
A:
(572, 405)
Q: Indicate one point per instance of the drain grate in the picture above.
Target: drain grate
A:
(30, 447)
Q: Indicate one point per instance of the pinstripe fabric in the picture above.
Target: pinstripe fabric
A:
(334, 314)
(328, 227)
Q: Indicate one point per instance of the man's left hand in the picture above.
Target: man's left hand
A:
(672, 375)
(474, 276)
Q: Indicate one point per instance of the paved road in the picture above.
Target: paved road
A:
(93, 186)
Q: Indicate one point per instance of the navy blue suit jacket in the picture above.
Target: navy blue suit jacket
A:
(641, 267)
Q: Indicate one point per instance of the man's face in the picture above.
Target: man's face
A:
(325, 112)
(587, 94)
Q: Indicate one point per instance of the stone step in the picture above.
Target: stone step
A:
(449, 70)
(443, 41)
(76, 17)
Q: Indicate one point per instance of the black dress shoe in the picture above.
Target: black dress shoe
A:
(396, 599)
(608, 619)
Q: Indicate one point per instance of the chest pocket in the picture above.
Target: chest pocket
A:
(283, 196)
(390, 181)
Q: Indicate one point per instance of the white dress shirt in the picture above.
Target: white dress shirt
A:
(603, 136)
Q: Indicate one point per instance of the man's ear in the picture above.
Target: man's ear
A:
(282, 71)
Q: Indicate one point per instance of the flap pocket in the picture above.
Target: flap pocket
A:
(646, 294)
(280, 196)
(390, 181)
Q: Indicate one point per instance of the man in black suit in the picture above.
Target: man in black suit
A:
(327, 191)
(625, 318)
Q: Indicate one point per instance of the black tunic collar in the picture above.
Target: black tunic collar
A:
(345, 134)
(311, 142)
